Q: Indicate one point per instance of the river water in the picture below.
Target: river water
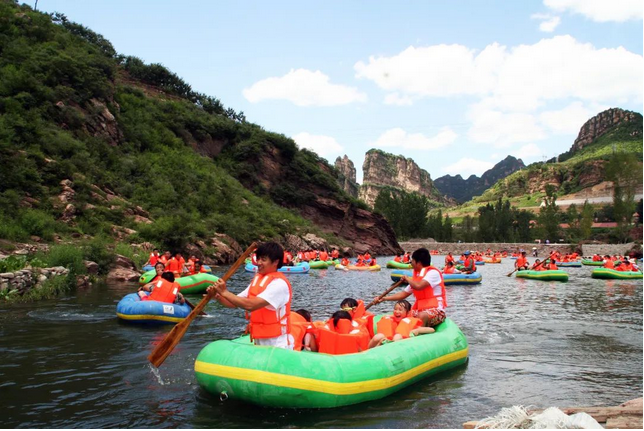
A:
(70, 363)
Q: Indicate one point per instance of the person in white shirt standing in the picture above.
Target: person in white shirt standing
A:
(427, 286)
(267, 300)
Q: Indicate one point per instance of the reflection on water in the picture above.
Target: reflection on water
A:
(70, 363)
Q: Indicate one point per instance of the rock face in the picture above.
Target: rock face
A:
(347, 175)
(601, 123)
(464, 190)
(382, 169)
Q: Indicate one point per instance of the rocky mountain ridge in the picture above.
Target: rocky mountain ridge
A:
(602, 123)
(463, 190)
(381, 169)
(347, 175)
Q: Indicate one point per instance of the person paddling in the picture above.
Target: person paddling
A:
(267, 300)
(427, 285)
(469, 266)
(522, 262)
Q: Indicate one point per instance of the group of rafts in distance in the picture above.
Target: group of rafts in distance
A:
(344, 370)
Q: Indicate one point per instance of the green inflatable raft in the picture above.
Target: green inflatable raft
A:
(197, 283)
(550, 275)
(589, 262)
(274, 377)
(606, 273)
(318, 264)
(398, 265)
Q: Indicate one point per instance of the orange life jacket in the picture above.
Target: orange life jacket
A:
(521, 262)
(448, 270)
(552, 266)
(388, 326)
(343, 339)
(164, 291)
(175, 265)
(467, 265)
(406, 258)
(367, 256)
(345, 261)
(397, 259)
(299, 328)
(363, 317)
(324, 256)
(154, 258)
(163, 260)
(425, 298)
(448, 258)
(373, 262)
(609, 264)
(335, 254)
(265, 323)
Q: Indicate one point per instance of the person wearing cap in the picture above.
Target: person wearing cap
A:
(522, 262)
(469, 266)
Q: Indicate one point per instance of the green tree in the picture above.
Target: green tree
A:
(549, 216)
(622, 171)
(586, 222)
(468, 228)
(486, 232)
(521, 224)
(448, 232)
(574, 223)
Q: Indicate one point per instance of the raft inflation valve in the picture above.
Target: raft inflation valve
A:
(223, 395)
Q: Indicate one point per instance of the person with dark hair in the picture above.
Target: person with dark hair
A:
(163, 290)
(267, 299)
(398, 325)
(469, 266)
(303, 330)
(427, 285)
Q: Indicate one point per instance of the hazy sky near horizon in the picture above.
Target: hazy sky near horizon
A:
(457, 85)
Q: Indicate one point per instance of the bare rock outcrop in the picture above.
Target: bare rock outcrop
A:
(601, 123)
(123, 270)
(381, 169)
(347, 175)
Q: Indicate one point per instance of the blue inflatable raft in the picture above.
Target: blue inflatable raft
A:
(449, 279)
(132, 309)
(476, 262)
(301, 268)
(576, 264)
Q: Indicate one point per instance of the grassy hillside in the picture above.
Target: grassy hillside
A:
(125, 133)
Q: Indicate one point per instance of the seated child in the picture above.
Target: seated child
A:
(303, 330)
(164, 290)
(399, 325)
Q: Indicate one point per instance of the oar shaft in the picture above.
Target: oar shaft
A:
(165, 347)
(386, 292)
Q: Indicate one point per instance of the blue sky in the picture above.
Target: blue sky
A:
(455, 85)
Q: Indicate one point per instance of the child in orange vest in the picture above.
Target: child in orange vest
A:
(303, 330)
(399, 325)
(164, 290)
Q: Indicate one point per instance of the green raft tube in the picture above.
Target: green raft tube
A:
(274, 377)
(197, 283)
(549, 275)
(589, 262)
(318, 264)
(398, 265)
(607, 273)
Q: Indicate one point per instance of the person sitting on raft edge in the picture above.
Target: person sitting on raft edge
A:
(427, 286)
(267, 300)
(398, 325)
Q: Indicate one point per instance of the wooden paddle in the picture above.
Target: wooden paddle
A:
(165, 347)
(540, 263)
(392, 287)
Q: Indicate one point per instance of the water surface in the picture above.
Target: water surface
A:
(70, 363)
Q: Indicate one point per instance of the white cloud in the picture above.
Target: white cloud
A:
(415, 141)
(303, 88)
(520, 78)
(569, 119)
(549, 24)
(323, 145)
(490, 126)
(467, 166)
(600, 10)
(529, 151)
(397, 99)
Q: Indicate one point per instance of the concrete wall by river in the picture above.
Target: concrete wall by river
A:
(542, 249)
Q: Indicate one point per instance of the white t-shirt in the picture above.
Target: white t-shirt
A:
(277, 296)
(433, 277)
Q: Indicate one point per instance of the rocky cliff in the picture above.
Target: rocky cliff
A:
(602, 123)
(381, 169)
(463, 190)
(347, 175)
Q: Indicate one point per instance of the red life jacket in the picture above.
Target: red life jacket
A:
(521, 262)
(154, 258)
(406, 258)
(345, 262)
(335, 254)
(164, 291)
(397, 259)
(343, 339)
(469, 266)
(324, 256)
(448, 270)
(609, 264)
(425, 298)
(265, 323)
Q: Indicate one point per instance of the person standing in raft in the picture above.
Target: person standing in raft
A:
(267, 300)
(428, 287)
